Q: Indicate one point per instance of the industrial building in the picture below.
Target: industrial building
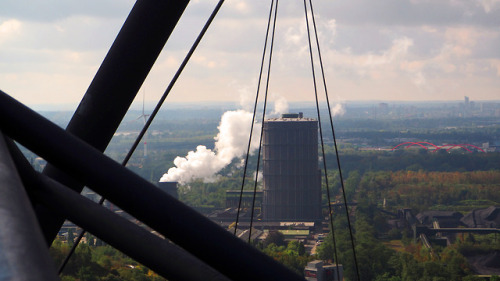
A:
(483, 218)
(291, 177)
(247, 199)
(318, 271)
(170, 188)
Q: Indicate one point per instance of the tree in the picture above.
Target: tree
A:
(325, 251)
(351, 184)
(90, 239)
(275, 237)
(71, 236)
(295, 248)
(292, 255)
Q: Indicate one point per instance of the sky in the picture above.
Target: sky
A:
(384, 50)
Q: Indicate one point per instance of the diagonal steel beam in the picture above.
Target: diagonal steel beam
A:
(116, 84)
(181, 224)
(23, 255)
(158, 254)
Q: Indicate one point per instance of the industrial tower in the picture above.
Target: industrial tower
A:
(292, 179)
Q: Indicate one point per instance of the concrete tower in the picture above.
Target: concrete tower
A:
(292, 180)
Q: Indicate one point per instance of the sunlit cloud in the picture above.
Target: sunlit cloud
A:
(489, 5)
(496, 65)
(9, 28)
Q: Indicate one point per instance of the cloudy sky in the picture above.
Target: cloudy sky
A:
(372, 50)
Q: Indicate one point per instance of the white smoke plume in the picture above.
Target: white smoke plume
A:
(247, 99)
(260, 176)
(338, 110)
(231, 142)
(280, 105)
(245, 94)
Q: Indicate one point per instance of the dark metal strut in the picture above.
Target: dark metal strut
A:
(160, 255)
(115, 86)
(184, 226)
(76, 159)
(23, 254)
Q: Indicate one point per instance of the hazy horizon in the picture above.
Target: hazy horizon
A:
(149, 106)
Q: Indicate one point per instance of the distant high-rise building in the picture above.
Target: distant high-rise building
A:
(467, 107)
(383, 106)
(292, 179)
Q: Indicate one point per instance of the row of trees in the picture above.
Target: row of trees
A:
(292, 254)
(99, 263)
(419, 190)
(91, 262)
(378, 262)
(426, 190)
(469, 176)
(412, 160)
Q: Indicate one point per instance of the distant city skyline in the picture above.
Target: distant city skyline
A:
(411, 50)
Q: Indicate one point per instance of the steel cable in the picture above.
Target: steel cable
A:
(334, 138)
(151, 118)
(330, 214)
(253, 117)
(263, 118)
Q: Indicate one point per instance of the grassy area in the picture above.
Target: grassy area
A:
(396, 245)
(290, 232)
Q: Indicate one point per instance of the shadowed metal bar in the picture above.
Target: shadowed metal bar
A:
(23, 254)
(184, 226)
(116, 84)
(156, 253)
(150, 119)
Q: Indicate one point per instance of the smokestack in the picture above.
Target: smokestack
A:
(169, 187)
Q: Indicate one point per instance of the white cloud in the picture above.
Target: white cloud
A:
(489, 5)
(241, 6)
(338, 110)
(369, 48)
(280, 104)
(9, 29)
(374, 65)
(495, 64)
(247, 98)
(260, 176)
(231, 142)
(54, 10)
(204, 62)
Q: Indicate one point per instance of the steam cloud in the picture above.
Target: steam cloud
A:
(280, 105)
(338, 110)
(231, 142)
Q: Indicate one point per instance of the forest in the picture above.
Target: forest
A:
(419, 190)
(379, 260)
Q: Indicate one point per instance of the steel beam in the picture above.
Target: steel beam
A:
(116, 84)
(23, 255)
(181, 224)
(124, 69)
(158, 254)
